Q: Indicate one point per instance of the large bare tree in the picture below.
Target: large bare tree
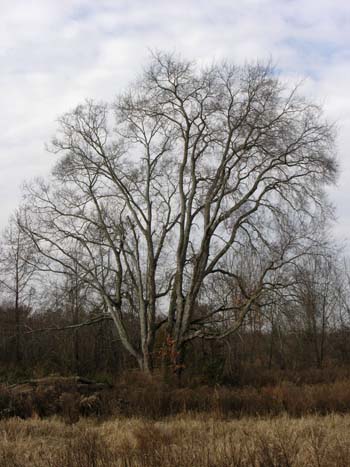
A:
(190, 175)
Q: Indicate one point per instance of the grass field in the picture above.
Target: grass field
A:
(187, 440)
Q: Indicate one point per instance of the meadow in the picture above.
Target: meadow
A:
(187, 440)
(143, 422)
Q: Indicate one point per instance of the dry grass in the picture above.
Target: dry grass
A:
(187, 441)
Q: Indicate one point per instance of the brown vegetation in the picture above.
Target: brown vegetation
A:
(136, 395)
(154, 401)
(186, 441)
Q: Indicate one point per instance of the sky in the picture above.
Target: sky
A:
(56, 53)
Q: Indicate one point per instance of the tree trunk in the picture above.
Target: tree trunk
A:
(18, 328)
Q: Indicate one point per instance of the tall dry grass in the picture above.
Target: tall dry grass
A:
(185, 441)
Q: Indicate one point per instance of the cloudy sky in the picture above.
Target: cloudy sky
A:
(56, 53)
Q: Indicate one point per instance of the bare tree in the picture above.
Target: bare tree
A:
(17, 269)
(203, 170)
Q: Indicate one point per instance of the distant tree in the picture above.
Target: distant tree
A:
(203, 170)
(17, 268)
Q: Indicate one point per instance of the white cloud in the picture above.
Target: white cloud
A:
(53, 54)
